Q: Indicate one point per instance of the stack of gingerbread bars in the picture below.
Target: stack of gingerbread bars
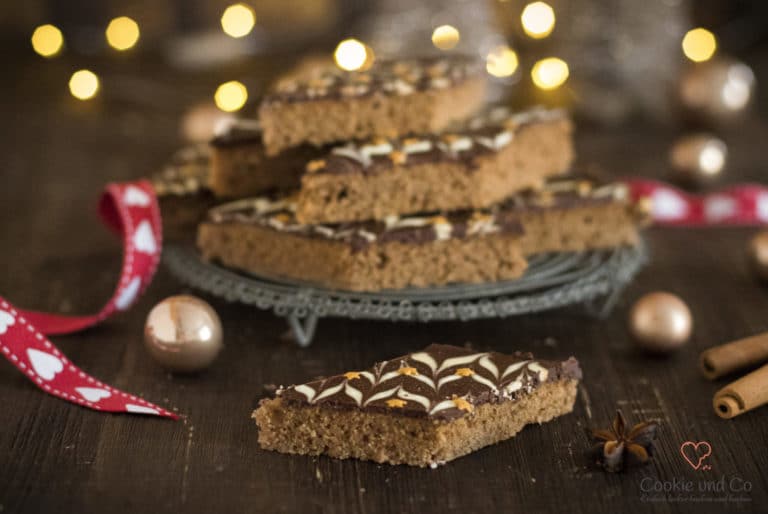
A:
(400, 176)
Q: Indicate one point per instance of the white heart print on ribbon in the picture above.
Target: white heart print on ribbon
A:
(718, 208)
(135, 196)
(6, 320)
(44, 364)
(667, 205)
(144, 240)
(140, 409)
(128, 294)
(93, 394)
(761, 206)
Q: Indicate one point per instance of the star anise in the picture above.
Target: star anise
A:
(619, 447)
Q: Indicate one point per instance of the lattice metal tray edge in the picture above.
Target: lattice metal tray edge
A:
(593, 278)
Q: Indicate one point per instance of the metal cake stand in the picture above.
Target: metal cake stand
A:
(593, 279)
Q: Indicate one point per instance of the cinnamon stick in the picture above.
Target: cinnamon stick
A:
(727, 358)
(747, 393)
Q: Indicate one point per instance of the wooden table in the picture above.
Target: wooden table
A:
(56, 457)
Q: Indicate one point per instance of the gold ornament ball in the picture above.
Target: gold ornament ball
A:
(698, 159)
(198, 125)
(758, 255)
(719, 90)
(183, 334)
(660, 322)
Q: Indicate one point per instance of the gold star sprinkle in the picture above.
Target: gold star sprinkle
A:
(584, 188)
(450, 138)
(408, 371)
(351, 375)
(397, 157)
(464, 372)
(462, 404)
(315, 165)
(282, 217)
(396, 403)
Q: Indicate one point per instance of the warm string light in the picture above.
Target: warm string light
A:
(84, 84)
(445, 37)
(122, 33)
(353, 55)
(501, 61)
(699, 45)
(231, 96)
(538, 20)
(47, 40)
(550, 73)
(238, 20)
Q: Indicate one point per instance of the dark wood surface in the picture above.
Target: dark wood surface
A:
(56, 457)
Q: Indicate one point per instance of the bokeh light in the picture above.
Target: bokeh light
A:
(122, 33)
(699, 45)
(501, 61)
(445, 37)
(538, 20)
(84, 84)
(550, 73)
(352, 55)
(231, 96)
(238, 20)
(47, 40)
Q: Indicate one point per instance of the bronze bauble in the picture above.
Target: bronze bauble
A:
(697, 159)
(757, 254)
(660, 322)
(183, 333)
(718, 91)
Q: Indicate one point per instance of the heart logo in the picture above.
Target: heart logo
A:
(135, 196)
(140, 409)
(128, 294)
(93, 394)
(143, 239)
(44, 364)
(6, 320)
(695, 453)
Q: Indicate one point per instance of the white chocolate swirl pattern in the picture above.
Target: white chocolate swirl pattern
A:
(490, 132)
(442, 382)
(394, 78)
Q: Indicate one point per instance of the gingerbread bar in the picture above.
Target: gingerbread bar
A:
(241, 168)
(497, 155)
(182, 193)
(262, 236)
(422, 409)
(393, 98)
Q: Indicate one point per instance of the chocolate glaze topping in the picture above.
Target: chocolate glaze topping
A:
(440, 382)
(483, 135)
(392, 78)
(277, 213)
(186, 174)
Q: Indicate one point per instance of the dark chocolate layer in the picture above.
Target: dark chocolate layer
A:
(441, 382)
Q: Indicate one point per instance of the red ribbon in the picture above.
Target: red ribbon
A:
(744, 204)
(130, 210)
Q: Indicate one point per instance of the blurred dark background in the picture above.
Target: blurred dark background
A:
(615, 63)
